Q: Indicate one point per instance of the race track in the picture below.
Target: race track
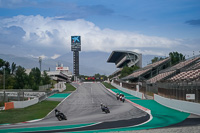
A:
(83, 106)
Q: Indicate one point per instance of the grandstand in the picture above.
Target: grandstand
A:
(165, 80)
(191, 75)
(172, 71)
(160, 76)
(148, 71)
(195, 66)
(61, 74)
(116, 74)
(124, 58)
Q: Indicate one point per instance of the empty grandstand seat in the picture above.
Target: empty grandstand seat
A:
(187, 75)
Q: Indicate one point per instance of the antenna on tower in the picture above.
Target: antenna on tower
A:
(40, 62)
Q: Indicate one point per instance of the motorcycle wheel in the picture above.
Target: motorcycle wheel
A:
(59, 118)
(65, 118)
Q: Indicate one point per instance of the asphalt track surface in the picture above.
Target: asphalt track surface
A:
(83, 106)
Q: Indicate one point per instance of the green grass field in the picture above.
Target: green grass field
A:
(108, 85)
(33, 112)
(69, 88)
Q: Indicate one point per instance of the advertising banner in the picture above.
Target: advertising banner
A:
(190, 96)
(75, 43)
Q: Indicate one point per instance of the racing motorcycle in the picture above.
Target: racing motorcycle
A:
(60, 116)
(106, 110)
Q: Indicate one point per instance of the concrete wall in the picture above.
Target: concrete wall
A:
(23, 104)
(184, 106)
(26, 94)
(60, 86)
(134, 93)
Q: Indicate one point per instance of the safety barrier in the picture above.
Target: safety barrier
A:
(23, 104)
(134, 93)
(180, 105)
(60, 86)
(9, 105)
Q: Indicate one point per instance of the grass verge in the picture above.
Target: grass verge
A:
(108, 85)
(69, 88)
(33, 112)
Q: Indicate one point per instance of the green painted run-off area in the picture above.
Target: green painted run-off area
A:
(60, 95)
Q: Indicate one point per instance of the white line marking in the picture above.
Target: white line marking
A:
(91, 96)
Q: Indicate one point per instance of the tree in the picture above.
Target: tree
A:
(155, 59)
(21, 78)
(72, 79)
(7, 67)
(35, 78)
(127, 71)
(13, 68)
(176, 57)
(16, 78)
(46, 79)
(10, 82)
(97, 75)
(2, 62)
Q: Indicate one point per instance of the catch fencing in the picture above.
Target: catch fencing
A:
(187, 91)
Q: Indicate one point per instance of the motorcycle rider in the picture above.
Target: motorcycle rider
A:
(120, 97)
(102, 107)
(117, 95)
(123, 98)
(57, 112)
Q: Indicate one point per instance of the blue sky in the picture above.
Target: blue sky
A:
(151, 27)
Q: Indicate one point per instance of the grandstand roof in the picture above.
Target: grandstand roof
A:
(122, 58)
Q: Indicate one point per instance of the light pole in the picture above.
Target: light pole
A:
(40, 62)
(4, 78)
(193, 55)
(4, 98)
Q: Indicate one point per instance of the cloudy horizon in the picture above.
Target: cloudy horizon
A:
(44, 28)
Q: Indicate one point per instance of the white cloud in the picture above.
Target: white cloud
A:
(50, 32)
(55, 56)
(151, 52)
(42, 56)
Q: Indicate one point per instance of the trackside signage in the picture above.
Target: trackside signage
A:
(62, 68)
(75, 43)
(190, 96)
